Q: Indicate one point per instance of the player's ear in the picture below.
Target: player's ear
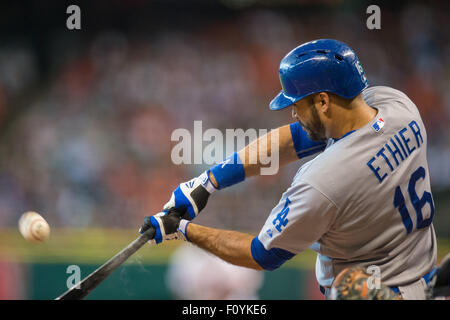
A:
(323, 101)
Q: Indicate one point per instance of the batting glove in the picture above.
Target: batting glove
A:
(168, 226)
(191, 197)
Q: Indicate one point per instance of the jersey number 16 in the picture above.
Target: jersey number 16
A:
(418, 204)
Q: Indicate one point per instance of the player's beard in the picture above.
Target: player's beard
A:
(315, 128)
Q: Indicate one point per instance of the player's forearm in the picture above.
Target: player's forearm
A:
(231, 246)
(265, 155)
(275, 146)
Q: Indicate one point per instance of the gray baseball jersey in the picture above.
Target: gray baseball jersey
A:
(365, 200)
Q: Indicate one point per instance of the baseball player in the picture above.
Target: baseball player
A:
(364, 200)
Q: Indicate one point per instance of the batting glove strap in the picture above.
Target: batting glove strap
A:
(191, 197)
(160, 233)
(182, 229)
(206, 182)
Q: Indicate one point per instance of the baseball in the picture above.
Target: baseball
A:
(33, 227)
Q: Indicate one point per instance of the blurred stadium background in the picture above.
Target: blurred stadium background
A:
(86, 118)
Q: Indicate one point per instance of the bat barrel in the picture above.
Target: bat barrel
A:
(84, 287)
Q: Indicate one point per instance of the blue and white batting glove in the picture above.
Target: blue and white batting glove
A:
(168, 226)
(191, 197)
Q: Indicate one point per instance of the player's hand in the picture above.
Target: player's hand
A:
(191, 197)
(168, 226)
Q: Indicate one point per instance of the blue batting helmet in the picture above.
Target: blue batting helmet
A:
(316, 66)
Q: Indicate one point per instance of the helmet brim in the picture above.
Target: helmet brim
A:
(282, 101)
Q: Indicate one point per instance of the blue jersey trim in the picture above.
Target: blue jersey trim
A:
(269, 259)
(310, 151)
(347, 134)
(302, 144)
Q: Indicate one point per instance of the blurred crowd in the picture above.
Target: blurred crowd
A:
(93, 145)
(203, 283)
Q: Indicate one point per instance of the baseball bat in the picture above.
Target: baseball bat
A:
(83, 288)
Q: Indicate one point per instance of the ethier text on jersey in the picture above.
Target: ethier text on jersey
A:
(398, 148)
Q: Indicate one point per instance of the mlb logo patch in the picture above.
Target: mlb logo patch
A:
(378, 124)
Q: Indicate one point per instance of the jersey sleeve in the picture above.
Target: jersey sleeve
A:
(301, 217)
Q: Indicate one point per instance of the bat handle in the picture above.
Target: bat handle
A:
(149, 234)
